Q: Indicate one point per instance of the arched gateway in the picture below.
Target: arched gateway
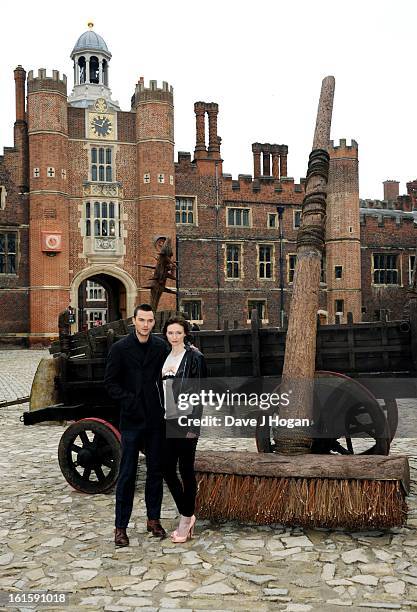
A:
(115, 300)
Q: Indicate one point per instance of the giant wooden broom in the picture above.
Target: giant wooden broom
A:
(292, 486)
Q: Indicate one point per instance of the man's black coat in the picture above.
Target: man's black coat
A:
(135, 386)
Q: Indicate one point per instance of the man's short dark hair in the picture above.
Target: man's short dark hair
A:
(144, 307)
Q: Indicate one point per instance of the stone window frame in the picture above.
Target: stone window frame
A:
(36, 173)
(3, 196)
(271, 246)
(147, 178)
(235, 209)
(92, 286)
(291, 269)
(161, 178)
(294, 214)
(90, 218)
(184, 301)
(385, 271)
(180, 212)
(100, 170)
(411, 267)
(336, 271)
(273, 215)
(50, 172)
(239, 262)
(263, 316)
(7, 230)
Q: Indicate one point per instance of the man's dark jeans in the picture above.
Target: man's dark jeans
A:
(152, 441)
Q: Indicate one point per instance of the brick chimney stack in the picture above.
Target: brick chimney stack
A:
(391, 190)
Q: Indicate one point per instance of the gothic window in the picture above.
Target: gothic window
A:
(102, 164)
(233, 261)
(265, 261)
(185, 211)
(8, 252)
(103, 219)
(238, 217)
(94, 70)
(385, 269)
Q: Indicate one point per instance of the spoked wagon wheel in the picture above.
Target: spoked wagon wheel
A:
(343, 405)
(89, 455)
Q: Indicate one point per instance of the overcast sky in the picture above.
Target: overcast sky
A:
(261, 61)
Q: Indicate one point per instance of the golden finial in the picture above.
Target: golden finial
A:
(90, 25)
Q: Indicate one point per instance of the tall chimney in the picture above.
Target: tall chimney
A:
(391, 190)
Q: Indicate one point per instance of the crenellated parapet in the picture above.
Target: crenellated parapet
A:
(43, 82)
(384, 217)
(153, 93)
(268, 186)
(342, 149)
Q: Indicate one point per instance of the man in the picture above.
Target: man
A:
(132, 379)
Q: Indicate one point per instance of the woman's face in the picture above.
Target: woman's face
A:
(175, 334)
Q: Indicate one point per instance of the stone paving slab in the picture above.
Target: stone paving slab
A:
(53, 538)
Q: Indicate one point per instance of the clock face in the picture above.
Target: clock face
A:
(101, 125)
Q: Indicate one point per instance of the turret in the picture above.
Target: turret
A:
(49, 216)
(343, 250)
(154, 108)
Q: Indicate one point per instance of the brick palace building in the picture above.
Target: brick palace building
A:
(88, 188)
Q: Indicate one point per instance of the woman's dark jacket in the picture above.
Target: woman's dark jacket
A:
(134, 381)
(188, 379)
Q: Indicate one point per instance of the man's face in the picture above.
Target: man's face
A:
(143, 322)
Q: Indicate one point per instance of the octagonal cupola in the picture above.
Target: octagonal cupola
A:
(91, 58)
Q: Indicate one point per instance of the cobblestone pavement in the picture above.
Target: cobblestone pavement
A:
(53, 538)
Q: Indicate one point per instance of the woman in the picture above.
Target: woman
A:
(182, 364)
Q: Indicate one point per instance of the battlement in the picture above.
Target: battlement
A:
(43, 81)
(268, 185)
(387, 218)
(342, 149)
(152, 92)
(342, 144)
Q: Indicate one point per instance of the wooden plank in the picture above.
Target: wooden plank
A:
(361, 467)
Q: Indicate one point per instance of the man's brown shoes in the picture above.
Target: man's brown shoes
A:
(120, 537)
(156, 528)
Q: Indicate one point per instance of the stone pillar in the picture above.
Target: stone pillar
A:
(100, 72)
(200, 148)
(87, 69)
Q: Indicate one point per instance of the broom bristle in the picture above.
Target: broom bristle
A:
(314, 502)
